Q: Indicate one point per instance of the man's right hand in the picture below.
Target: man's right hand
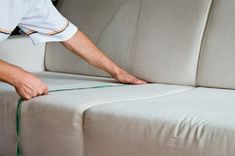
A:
(29, 86)
(26, 84)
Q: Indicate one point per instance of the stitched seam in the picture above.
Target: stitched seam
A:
(50, 33)
(45, 57)
(134, 43)
(87, 107)
(31, 32)
(202, 37)
(4, 31)
(60, 30)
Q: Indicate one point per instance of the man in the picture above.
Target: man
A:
(40, 20)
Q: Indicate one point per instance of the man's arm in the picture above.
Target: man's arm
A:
(82, 46)
(26, 84)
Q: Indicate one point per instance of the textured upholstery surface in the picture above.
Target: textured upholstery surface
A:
(20, 51)
(199, 122)
(54, 123)
(217, 59)
(168, 40)
(8, 100)
(157, 40)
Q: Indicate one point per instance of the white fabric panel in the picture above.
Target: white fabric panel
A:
(168, 40)
(217, 59)
(53, 125)
(199, 122)
(157, 40)
(20, 51)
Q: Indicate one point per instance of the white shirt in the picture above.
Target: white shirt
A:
(39, 19)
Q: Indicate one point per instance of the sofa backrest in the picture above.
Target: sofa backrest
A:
(157, 40)
(217, 60)
(20, 51)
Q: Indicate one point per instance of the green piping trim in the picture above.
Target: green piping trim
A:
(21, 100)
(18, 113)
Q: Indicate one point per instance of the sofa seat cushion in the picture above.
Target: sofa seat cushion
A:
(199, 122)
(53, 124)
(8, 101)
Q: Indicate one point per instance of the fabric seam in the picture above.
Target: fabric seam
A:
(143, 98)
(202, 38)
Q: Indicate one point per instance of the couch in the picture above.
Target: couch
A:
(185, 48)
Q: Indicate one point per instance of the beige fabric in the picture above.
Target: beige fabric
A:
(8, 100)
(21, 52)
(168, 40)
(199, 122)
(92, 17)
(53, 125)
(218, 54)
(157, 40)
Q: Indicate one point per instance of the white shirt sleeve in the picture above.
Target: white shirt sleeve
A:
(43, 23)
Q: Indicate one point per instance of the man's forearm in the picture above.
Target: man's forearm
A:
(9, 73)
(81, 45)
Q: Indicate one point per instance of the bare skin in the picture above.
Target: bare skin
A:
(28, 86)
(82, 46)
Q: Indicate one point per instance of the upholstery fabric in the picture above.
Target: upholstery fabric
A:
(217, 59)
(53, 124)
(168, 40)
(157, 40)
(199, 122)
(139, 36)
(8, 102)
(20, 51)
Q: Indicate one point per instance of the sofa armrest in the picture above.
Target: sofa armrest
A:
(20, 51)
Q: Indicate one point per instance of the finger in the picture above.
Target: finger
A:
(29, 94)
(141, 82)
(35, 94)
(27, 97)
(40, 92)
(130, 81)
(22, 94)
(45, 90)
